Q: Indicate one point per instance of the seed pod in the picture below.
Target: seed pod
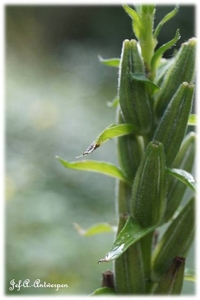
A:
(172, 281)
(148, 199)
(172, 127)
(133, 96)
(176, 241)
(176, 188)
(130, 151)
(182, 69)
(129, 280)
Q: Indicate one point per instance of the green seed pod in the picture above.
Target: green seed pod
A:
(130, 150)
(148, 199)
(176, 188)
(129, 280)
(172, 127)
(176, 241)
(172, 281)
(133, 96)
(182, 69)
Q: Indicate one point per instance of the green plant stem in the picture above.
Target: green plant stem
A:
(129, 267)
(146, 248)
(123, 193)
(147, 41)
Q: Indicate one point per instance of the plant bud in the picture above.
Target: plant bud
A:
(172, 281)
(172, 127)
(148, 199)
(133, 96)
(176, 241)
(182, 69)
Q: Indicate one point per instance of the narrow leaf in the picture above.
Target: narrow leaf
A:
(103, 291)
(111, 62)
(161, 70)
(94, 229)
(95, 166)
(110, 132)
(137, 22)
(143, 78)
(164, 20)
(114, 102)
(130, 233)
(158, 54)
(132, 13)
(192, 120)
(189, 275)
(184, 176)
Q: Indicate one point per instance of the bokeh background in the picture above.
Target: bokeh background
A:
(56, 95)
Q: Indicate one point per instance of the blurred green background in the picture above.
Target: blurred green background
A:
(56, 94)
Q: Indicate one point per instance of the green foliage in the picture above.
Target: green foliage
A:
(177, 186)
(110, 132)
(94, 229)
(104, 291)
(184, 176)
(95, 166)
(113, 62)
(154, 103)
(130, 234)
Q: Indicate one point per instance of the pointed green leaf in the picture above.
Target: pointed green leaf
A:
(192, 120)
(138, 8)
(94, 229)
(110, 132)
(103, 291)
(163, 67)
(184, 176)
(95, 166)
(114, 131)
(158, 54)
(114, 102)
(132, 13)
(111, 62)
(176, 188)
(137, 22)
(164, 20)
(130, 233)
(141, 77)
(189, 275)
